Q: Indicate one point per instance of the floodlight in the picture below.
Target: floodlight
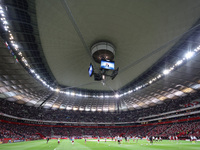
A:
(179, 62)
(117, 95)
(166, 71)
(189, 55)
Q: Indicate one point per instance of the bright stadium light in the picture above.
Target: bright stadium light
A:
(166, 71)
(57, 90)
(32, 71)
(5, 22)
(37, 76)
(1, 11)
(80, 95)
(189, 55)
(67, 93)
(101, 96)
(159, 76)
(107, 96)
(6, 28)
(117, 95)
(73, 93)
(179, 62)
(81, 109)
(130, 91)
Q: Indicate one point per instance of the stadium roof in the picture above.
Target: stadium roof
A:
(55, 37)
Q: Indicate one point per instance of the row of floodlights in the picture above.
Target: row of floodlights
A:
(167, 71)
(16, 48)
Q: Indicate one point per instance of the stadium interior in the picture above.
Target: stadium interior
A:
(46, 47)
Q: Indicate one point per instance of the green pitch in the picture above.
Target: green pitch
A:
(94, 145)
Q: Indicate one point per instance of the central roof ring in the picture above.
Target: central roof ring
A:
(103, 51)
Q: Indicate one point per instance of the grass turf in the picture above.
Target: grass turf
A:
(94, 145)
